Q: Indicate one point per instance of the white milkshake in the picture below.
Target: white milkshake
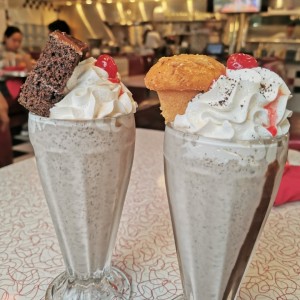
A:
(84, 169)
(219, 195)
(84, 154)
(224, 159)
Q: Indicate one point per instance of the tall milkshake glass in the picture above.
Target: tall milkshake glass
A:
(84, 167)
(220, 194)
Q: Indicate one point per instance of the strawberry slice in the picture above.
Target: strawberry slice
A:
(272, 130)
(238, 61)
(272, 114)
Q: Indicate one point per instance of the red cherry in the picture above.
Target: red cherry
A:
(238, 61)
(107, 63)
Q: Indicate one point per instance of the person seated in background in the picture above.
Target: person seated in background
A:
(60, 25)
(13, 58)
(11, 54)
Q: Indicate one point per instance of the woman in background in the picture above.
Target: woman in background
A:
(11, 54)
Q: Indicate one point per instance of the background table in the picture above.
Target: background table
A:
(30, 257)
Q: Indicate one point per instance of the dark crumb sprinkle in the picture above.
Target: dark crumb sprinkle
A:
(227, 93)
(265, 88)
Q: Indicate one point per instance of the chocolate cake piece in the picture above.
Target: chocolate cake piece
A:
(45, 84)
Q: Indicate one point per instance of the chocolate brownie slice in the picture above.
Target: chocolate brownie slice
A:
(45, 84)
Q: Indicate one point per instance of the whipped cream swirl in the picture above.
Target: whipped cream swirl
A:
(246, 104)
(90, 95)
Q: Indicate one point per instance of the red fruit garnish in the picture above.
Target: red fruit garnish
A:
(107, 63)
(272, 130)
(272, 114)
(238, 61)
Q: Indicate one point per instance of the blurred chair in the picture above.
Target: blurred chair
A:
(17, 113)
(149, 116)
(148, 62)
(6, 153)
(296, 89)
(136, 65)
(18, 116)
(294, 142)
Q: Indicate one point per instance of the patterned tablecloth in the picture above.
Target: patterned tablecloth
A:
(30, 257)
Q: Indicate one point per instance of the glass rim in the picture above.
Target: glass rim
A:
(35, 117)
(210, 140)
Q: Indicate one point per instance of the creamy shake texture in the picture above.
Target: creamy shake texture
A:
(84, 168)
(219, 194)
(224, 158)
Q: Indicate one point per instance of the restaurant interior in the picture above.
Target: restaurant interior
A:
(145, 249)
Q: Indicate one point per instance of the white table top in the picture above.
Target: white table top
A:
(30, 257)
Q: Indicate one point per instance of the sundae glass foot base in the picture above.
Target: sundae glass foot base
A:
(114, 286)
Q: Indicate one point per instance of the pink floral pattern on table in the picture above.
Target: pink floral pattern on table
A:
(30, 257)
